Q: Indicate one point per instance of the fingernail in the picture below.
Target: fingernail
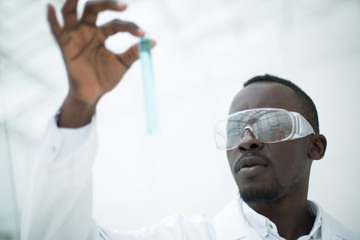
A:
(140, 32)
(153, 43)
(121, 5)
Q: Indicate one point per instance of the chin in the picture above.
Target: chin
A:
(261, 194)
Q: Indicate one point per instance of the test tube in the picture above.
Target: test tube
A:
(149, 87)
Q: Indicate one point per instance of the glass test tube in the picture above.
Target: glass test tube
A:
(149, 87)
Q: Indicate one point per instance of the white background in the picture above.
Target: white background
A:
(206, 50)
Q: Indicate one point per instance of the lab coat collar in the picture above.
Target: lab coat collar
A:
(316, 212)
(230, 224)
(261, 224)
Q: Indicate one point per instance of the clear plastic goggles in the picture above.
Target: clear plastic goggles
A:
(268, 125)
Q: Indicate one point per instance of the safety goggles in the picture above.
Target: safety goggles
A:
(268, 125)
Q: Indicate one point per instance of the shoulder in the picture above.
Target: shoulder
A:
(332, 227)
(176, 227)
(197, 225)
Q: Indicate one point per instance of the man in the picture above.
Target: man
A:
(271, 137)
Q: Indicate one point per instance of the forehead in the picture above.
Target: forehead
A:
(265, 95)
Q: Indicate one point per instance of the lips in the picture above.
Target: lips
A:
(250, 162)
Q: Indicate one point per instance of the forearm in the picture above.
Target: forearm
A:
(58, 204)
(59, 200)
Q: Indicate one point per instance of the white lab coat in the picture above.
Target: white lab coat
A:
(58, 205)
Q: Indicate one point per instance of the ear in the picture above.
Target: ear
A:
(317, 147)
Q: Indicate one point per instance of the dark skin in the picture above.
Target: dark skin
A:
(92, 69)
(285, 164)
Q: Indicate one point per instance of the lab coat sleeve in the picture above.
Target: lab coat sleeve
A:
(58, 204)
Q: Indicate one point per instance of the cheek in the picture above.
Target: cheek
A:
(231, 156)
(288, 159)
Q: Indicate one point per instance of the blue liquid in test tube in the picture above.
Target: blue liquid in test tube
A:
(149, 87)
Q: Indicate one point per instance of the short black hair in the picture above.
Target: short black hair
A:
(308, 106)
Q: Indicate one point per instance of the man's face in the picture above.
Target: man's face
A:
(269, 172)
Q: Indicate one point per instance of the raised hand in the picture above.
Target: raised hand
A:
(92, 69)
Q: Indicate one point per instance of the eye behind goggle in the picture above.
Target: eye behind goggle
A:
(275, 126)
(269, 125)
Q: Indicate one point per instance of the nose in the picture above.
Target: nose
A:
(249, 142)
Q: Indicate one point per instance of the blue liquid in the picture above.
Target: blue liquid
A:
(149, 87)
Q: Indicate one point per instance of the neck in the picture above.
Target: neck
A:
(291, 216)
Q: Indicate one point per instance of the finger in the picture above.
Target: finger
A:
(117, 25)
(53, 22)
(132, 54)
(69, 13)
(92, 9)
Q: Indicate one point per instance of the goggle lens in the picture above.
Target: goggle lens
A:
(268, 125)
